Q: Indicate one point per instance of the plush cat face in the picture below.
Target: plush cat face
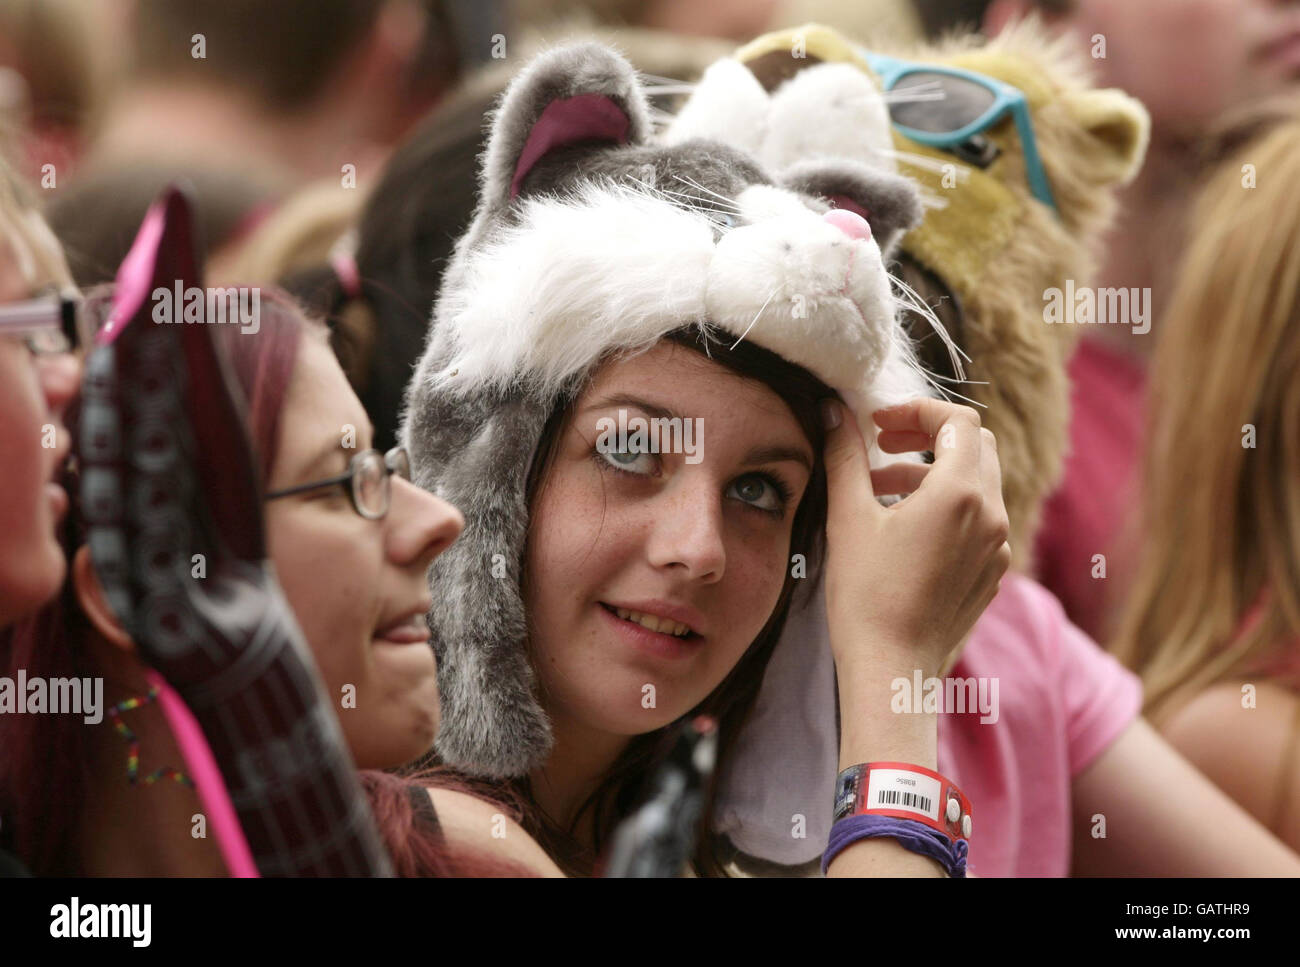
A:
(590, 240)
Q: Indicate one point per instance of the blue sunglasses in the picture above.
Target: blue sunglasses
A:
(951, 108)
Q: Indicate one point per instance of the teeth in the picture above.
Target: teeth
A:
(663, 625)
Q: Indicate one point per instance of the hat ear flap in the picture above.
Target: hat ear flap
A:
(582, 95)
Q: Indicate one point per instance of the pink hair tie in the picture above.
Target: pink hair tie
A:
(345, 267)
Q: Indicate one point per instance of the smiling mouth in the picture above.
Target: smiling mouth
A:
(412, 630)
(663, 626)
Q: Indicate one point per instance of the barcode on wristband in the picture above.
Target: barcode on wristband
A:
(902, 790)
(894, 797)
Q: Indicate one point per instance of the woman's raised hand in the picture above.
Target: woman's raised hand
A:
(905, 583)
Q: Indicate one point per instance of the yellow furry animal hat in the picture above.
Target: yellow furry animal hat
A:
(988, 250)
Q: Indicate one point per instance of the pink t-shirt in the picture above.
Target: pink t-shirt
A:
(1061, 701)
(1087, 515)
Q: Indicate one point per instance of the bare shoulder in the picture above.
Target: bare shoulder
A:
(1238, 734)
(472, 822)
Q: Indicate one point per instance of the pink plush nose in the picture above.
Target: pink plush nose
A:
(850, 223)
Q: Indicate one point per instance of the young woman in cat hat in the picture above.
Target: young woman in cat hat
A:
(607, 584)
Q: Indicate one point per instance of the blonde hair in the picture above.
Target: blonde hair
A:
(301, 233)
(1221, 492)
(25, 237)
(57, 46)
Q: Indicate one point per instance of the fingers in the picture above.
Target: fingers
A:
(848, 474)
(923, 415)
(898, 478)
(991, 483)
(994, 525)
(949, 430)
(903, 441)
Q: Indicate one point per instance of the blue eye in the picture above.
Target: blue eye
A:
(626, 461)
(761, 492)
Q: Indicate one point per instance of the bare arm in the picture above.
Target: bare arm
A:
(905, 584)
(1164, 818)
(1250, 750)
(871, 732)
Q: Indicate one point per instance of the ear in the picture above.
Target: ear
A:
(890, 203)
(728, 105)
(1118, 128)
(778, 56)
(584, 94)
(830, 110)
(90, 595)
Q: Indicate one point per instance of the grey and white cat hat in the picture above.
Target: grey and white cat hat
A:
(591, 239)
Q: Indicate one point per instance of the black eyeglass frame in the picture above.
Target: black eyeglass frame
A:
(350, 478)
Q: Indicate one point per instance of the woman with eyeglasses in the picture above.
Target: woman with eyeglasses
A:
(38, 377)
(350, 541)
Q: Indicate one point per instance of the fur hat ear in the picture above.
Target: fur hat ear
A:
(583, 94)
(728, 104)
(890, 203)
(1118, 129)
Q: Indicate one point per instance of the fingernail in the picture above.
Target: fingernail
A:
(830, 414)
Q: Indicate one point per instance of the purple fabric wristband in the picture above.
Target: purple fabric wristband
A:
(917, 837)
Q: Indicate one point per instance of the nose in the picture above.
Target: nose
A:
(59, 375)
(850, 223)
(420, 525)
(688, 534)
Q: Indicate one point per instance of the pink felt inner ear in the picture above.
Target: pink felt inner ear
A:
(584, 117)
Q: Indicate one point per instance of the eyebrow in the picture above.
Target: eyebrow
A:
(623, 399)
(324, 453)
(320, 458)
(778, 455)
(758, 455)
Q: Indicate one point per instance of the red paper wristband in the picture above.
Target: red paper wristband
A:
(903, 791)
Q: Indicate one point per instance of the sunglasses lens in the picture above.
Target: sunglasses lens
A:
(938, 103)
